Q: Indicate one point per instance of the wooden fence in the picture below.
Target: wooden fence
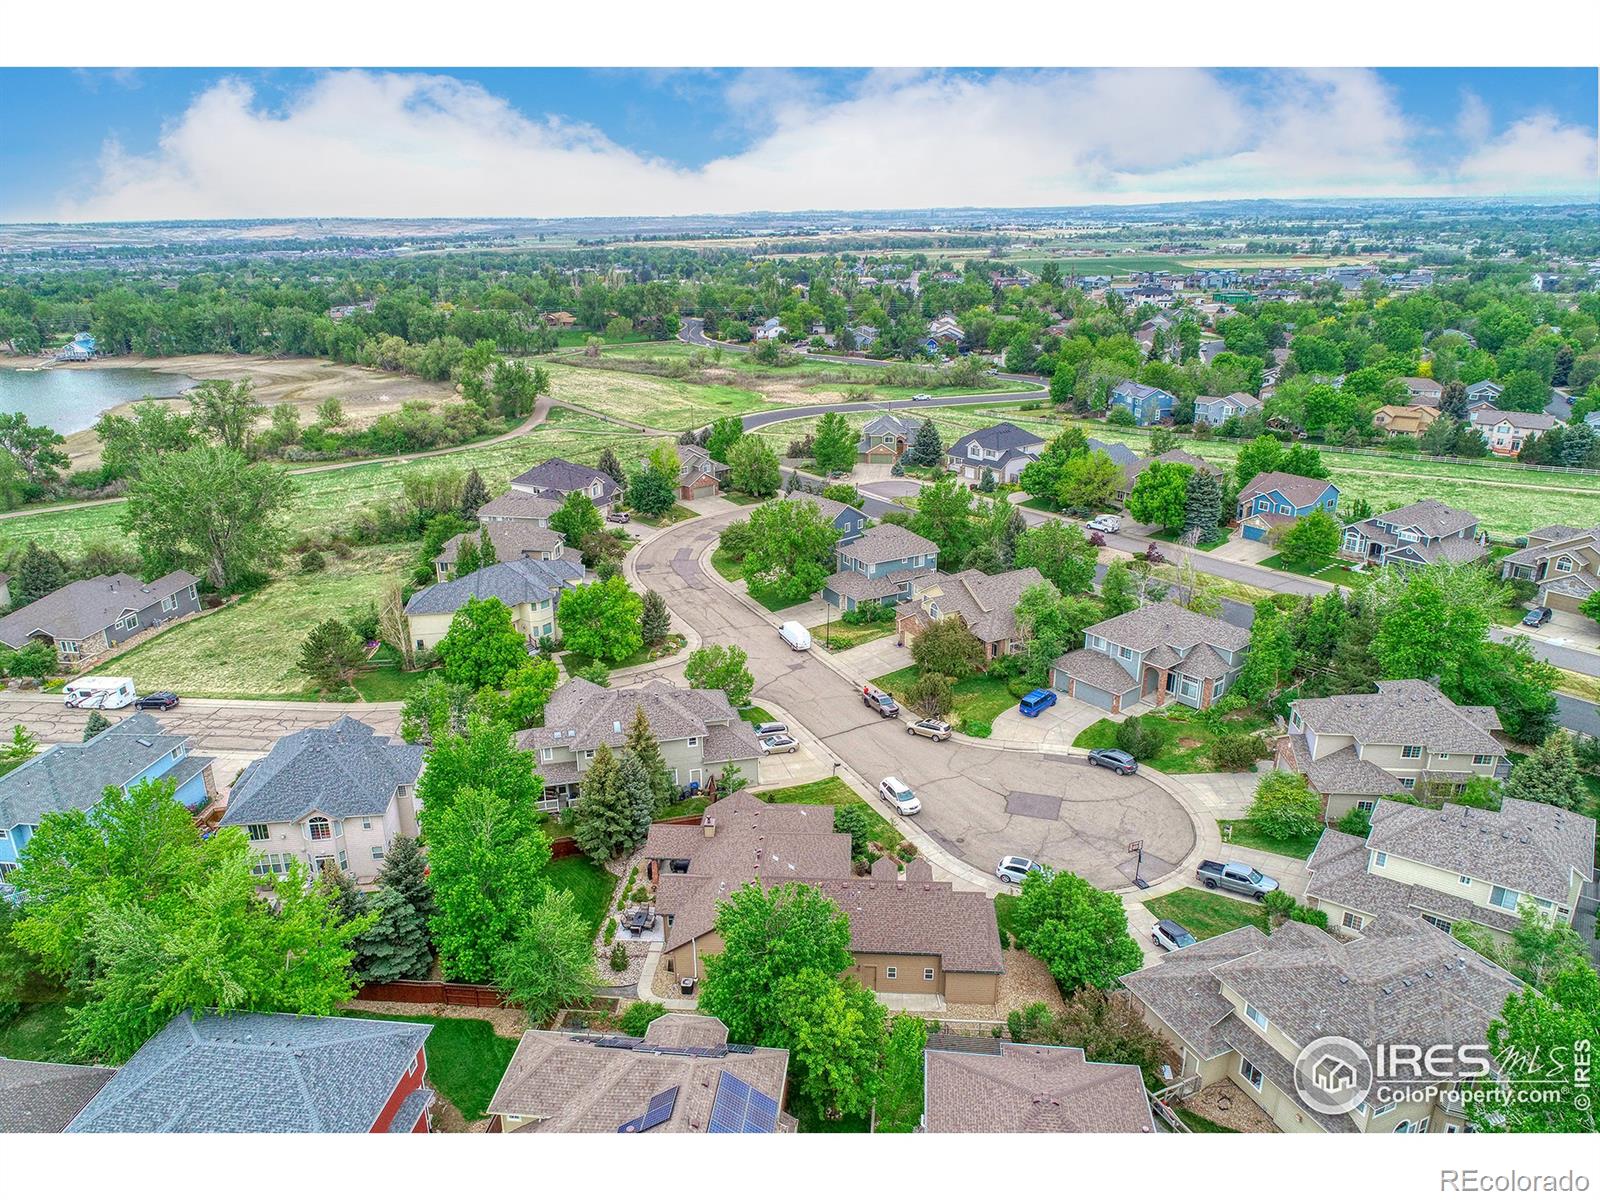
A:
(433, 991)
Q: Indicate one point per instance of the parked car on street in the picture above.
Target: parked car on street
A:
(769, 727)
(161, 700)
(903, 799)
(1119, 761)
(795, 635)
(1105, 523)
(1036, 701)
(922, 396)
(881, 702)
(1235, 877)
(928, 727)
(1014, 868)
(1169, 935)
(779, 743)
(618, 518)
(1536, 617)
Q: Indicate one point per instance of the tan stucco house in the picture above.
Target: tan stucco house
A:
(530, 587)
(1564, 563)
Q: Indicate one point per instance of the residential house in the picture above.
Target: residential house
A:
(769, 330)
(86, 618)
(986, 604)
(519, 507)
(886, 437)
(74, 776)
(699, 475)
(1416, 535)
(43, 1097)
(269, 1073)
(1132, 471)
(1156, 653)
(849, 520)
(1411, 420)
(1408, 736)
(529, 587)
(1507, 431)
(682, 1076)
(1003, 449)
(882, 564)
(907, 935)
(943, 330)
(985, 1085)
(1562, 561)
(560, 320)
(510, 540)
(700, 733)
(1243, 1005)
(1455, 864)
(862, 336)
(556, 479)
(1423, 391)
(1276, 498)
(1214, 410)
(1115, 451)
(332, 795)
(1483, 393)
(1149, 405)
(79, 349)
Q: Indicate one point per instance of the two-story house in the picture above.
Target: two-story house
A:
(557, 478)
(882, 564)
(1426, 532)
(1484, 393)
(886, 437)
(699, 475)
(510, 540)
(330, 796)
(1562, 561)
(1214, 410)
(1275, 498)
(1149, 405)
(1410, 420)
(1153, 654)
(75, 775)
(1423, 391)
(1002, 449)
(908, 934)
(522, 507)
(1505, 432)
(849, 520)
(1455, 864)
(700, 734)
(86, 618)
(986, 604)
(1408, 736)
(1244, 1005)
(530, 587)
(1132, 471)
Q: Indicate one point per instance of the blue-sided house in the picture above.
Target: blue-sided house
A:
(75, 775)
(1274, 498)
(849, 520)
(1149, 405)
(882, 564)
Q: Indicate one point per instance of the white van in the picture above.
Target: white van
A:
(795, 635)
(100, 691)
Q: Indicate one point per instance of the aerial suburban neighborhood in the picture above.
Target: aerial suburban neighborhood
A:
(1091, 668)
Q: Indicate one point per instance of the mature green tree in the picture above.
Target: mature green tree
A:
(1061, 553)
(835, 446)
(900, 1085)
(1542, 1027)
(1433, 622)
(1202, 507)
(1549, 775)
(655, 622)
(549, 962)
(225, 412)
(769, 937)
(1525, 391)
(945, 517)
(1078, 932)
(652, 491)
(790, 550)
(641, 744)
(474, 495)
(1051, 625)
(395, 945)
(602, 822)
(95, 726)
(753, 468)
(1285, 806)
(601, 620)
(835, 1031)
(1160, 497)
(1117, 592)
(577, 518)
(433, 709)
(152, 428)
(947, 647)
(721, 667)
(483, 645)
(528, 689)
(211, 510)
(1264, 454)
(1538, 950)
(405, 870)
(926, 449)
(1312, 539)
(486, 757)
(1088, 483)
(331, 654)
(517, 387)
(38, 573)
(609, 464)
(724, 433)
(1269, 661)
(486, 858)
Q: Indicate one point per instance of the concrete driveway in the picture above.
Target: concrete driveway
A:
(874, 658)
(1057, 726)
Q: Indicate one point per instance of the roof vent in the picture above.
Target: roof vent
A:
(1388, 989)
(1344, 979)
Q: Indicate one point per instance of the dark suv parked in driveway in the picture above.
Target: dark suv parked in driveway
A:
(1536, 617)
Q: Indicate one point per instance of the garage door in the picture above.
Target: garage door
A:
(1092, 695)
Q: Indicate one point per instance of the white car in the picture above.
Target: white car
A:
(898, 794)
(922, 396)
(1014, 868)
(795, 635)
(779, 743)
(1105, 523)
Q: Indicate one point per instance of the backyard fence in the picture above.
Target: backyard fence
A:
(433, 991)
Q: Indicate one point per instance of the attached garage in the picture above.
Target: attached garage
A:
(702, 487)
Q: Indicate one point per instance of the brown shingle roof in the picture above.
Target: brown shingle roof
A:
(1298, 490)
(41, 1097)
(1032, 1089)
(1339, 875)
(519, 506)
(1167, 624)
(1403, 712)
(885, 543)
(1096, 669)
(987, 603)
(1525, 846)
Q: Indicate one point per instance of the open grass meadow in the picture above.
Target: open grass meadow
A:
(248, 650)
(652, 400)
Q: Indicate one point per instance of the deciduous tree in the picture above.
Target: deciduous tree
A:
(549, 962)
(483, 645)
(835, 445)
(1078, 932)
(753, 468)
(947, 647)
(721, 667)
(601, 620)
(835, 1032)
(1160, 496)
(1060, 553)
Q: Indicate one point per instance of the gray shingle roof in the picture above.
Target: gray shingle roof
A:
(74, 775)
(1181, 991)
(519, 506)
(341, 770)
(1032, 1089)
(257, 1073)
(1116, 451)
(1404, 712)
(582, 715)
(1525, 846)
(1339, 875)
(38, 1097)
(87, 606)
(1342, 773)
(519, 581)
(1167, 624)
(1004, 437)
(510, 539)
(987, 603)
(885, 543)
(1096, 669)
(1132, 471)
(1432, 518)
(1298, 490)
(856, 586)
(556, 477)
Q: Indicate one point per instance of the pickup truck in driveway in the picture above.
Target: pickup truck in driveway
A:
(1235, 877)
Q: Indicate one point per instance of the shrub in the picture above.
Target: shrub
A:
(611, 930)
(637, 1016)
(1309, 916)
(347, 695)
(1237, 751)
(641, 894)
(1140, 740)
(930, 694)
(1285, 807)
(312, 561)
(619, 957)
(1355, 822)
(364, 623)
(854, 820)
(1278, 904)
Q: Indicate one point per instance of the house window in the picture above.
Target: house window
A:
(1380, 859)
(1255, 1015)
(1353, 921)
(1466, 880)
(366, 822)
(694, 741)
(1251, 1073)
(1504, 898)
(891, 973)
(1124, 652)
(1564, 563)
(1411, 752)
(1366, 806)
(258, 833)
(1436, 922)
(68, 647)
(548, 754)
(1442, 757)
(377, 854)
(1384, 1109)
(318, 829)
(344, 862)
(1408, 782)
(927, 974)
(170, 603)
(1482, 760)
(131, 621)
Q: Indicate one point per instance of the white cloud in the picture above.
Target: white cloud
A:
(1473, 122)
(368, 143)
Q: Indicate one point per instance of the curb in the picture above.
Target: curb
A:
(630, 571)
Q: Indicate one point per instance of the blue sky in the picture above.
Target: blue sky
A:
(185, 143)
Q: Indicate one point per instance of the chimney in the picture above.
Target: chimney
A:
(709, 825)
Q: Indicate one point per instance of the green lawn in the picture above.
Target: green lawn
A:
(1329, 570)
(671, 517)
(725, 566)
(834, 792)
(1199, 1124)
(836, 635)
(466, 1058)
(35, 1033)
(1245, 833)
(591, 885)
(755, 714)
(575, 662)
(1205, 914)
(652, 400)
(1188, 742)
(387, 681)
(978, 698)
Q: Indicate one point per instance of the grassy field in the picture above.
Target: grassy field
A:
(575, 662)
(466, 1058)
(1188, 743)
(1245, 833)
(249, 649)
(1206, 914)
(978, 698)
(837, 793)
(591, 885)
(650, 399)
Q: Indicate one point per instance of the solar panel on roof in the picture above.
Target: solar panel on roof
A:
(659, 1112)
(740, 1108)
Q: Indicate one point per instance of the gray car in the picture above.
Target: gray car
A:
(779, 743)
(1014, 868)
(1119, 761)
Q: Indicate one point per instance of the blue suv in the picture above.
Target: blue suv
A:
(1036, 701)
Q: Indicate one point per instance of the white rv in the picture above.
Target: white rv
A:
(100, 691)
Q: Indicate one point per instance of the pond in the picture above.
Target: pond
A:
(68, 400)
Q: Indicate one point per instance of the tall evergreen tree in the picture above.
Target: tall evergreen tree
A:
(643, 745)
(474, 495)
(468, 558)
(926, 449)
(396, 946)
(405, 870)
(1202, 506)
(38, 573)
(486, 552)
(1549, 775)
(655, 622)
(602, 820)
(636, 799)
(610, 465)
(97, 724)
